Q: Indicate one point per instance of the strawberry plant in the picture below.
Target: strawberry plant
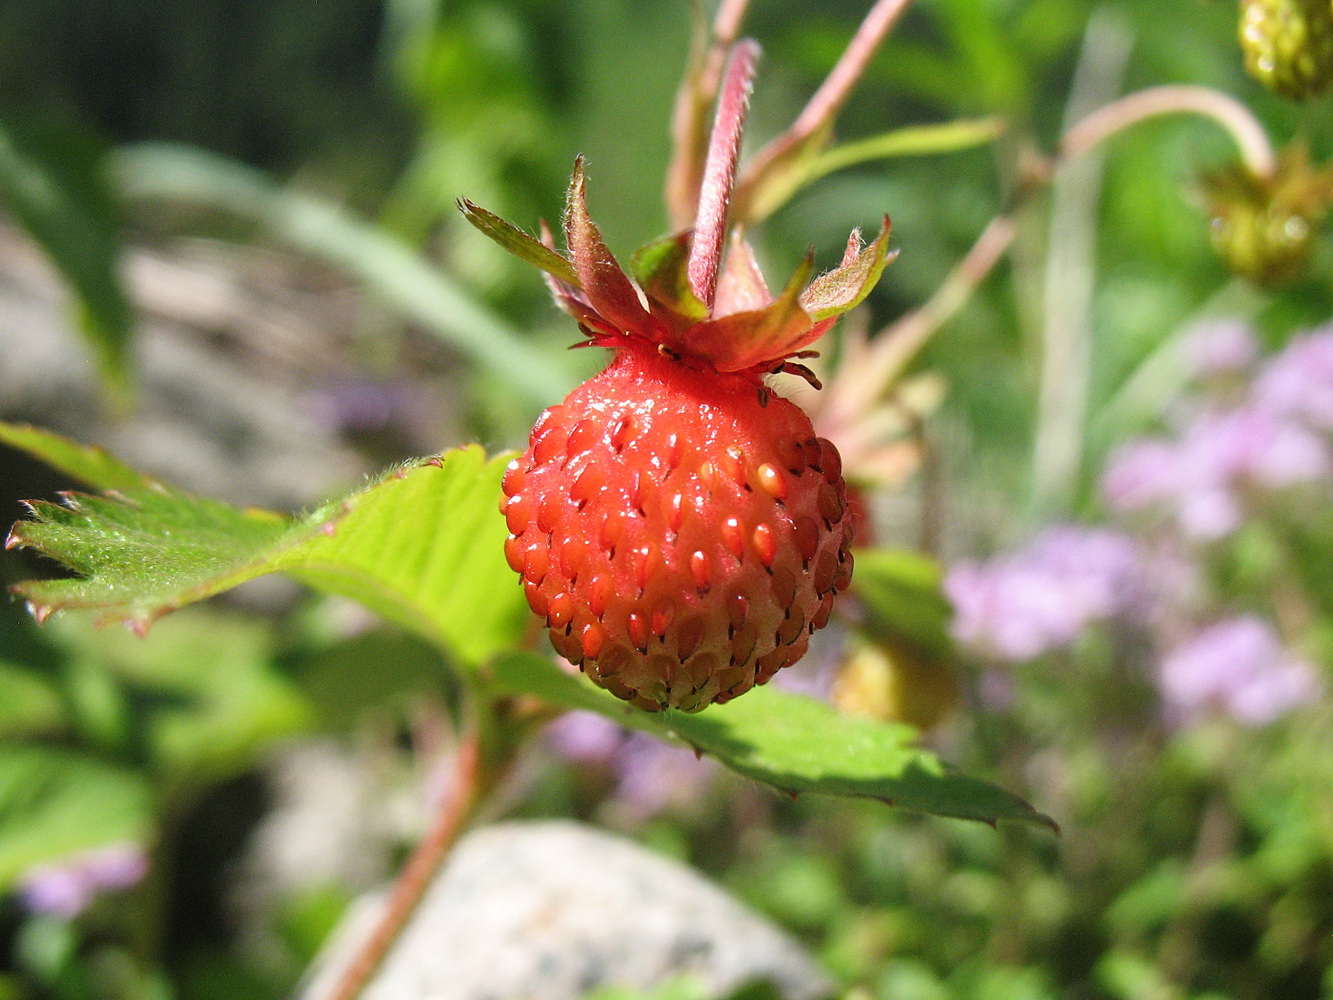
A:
(692, 550)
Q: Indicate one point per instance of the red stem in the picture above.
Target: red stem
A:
(724, 148)
(416, 877)
(832, 94)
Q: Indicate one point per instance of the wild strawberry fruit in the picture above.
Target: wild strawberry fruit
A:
(676, 523)
(1288, 45)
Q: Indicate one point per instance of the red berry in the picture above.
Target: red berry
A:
(683, 531)
(679, 526)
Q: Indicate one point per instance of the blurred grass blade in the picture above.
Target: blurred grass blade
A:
(54, 182)
(914, 140)
(421, 545)
(389, 267)
(810, 161)
(795, 743)
(55, 803)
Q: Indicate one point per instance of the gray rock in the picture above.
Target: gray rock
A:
(552, 910)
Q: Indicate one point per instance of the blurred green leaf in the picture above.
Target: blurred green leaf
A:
(795, 743)
(372, 669)
(912, 140)
(87, 463)
(54, 182)
(29, 704)
(421, 545)
(900, 592)
(54, 803)
(202, 691)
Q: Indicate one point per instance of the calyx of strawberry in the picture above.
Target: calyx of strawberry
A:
(683, 293)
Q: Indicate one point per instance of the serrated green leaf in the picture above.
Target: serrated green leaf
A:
(792, 742)
(54, 803)
(422, 545)
(54, 183)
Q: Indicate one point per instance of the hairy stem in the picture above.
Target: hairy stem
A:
(899, 342)
(817, 117)
(697, 92)
(724, 149)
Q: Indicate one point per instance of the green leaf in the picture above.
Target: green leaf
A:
(903, 600)
(86, 463)
(29, 704)
(54, 803)
(204, 692)
(421, 545)
(792, 742)
(54, 182)
(914, 140)
(519, 243)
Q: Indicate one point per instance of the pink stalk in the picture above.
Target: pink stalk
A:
(842, 79)
(832, 94)
(727, 24)
(724, 148)
(697, 92)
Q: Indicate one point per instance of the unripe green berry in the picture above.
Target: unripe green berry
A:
(1288, 45)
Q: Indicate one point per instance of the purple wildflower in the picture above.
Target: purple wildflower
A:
(1220, 348)
(1298, 382)
(585, 737)
(67, 888)
(1025, 603)
(1240, 666)
(650, 776)
(1203, 473)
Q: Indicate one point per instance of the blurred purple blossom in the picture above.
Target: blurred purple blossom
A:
(1021, 604)
(1203, 472)
(365, 405)
(585, 737)
(1298, 382)
(650, 776)
(67, 888)
(1220, 348)
(1240, 666)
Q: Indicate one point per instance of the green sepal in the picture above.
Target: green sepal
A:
(519, 243)
(846, 286)
(660, 269)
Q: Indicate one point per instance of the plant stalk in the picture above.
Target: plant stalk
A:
(417, 876)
